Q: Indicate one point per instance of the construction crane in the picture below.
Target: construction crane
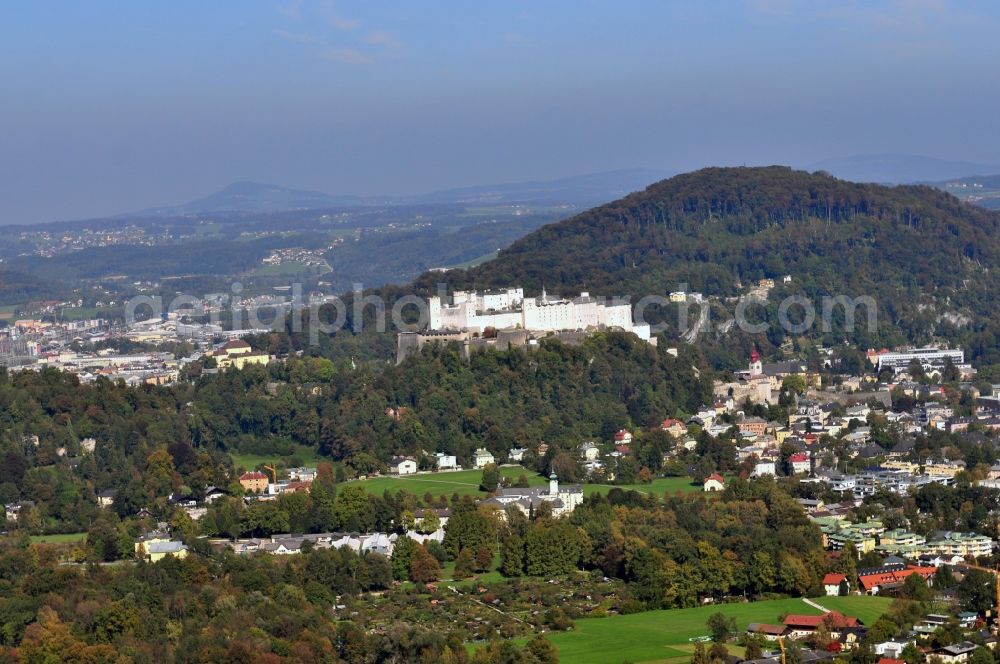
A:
(996, 575)
(274, 473)
(781, 644)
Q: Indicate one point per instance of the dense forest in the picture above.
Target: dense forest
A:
(919, 252)
(557, 394)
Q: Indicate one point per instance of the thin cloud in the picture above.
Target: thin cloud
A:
(291, 9)
(298, 37)
(347, 56)
(328, 12)
(383, 39)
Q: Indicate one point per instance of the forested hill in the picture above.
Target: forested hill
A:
(719, 229)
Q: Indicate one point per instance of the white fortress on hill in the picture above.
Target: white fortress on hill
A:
(508, 309)
(504, 318)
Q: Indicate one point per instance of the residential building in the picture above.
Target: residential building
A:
(674, 427)
(799, 463)
(764, 467)
(445, 461)
(402, 465)
(589, 451)
(106, 498)
(623, 437)
(483, 457)
(832, 584)
(254, 482)
(879, 581)
(238, 354)
(714, 482)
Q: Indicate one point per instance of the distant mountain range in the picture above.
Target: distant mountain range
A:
(255, 197)
(259, 197)
(899, 168)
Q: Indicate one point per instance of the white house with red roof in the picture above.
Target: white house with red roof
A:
(714, 482)
(674, 427)
(623, 437)
(799, 463)
(831, 583)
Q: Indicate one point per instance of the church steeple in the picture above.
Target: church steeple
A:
(756, 367)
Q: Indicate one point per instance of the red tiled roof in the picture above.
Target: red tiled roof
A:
(890, 660)
(717, 477)
(798, 457)
(833, 579)
(763, 628)
(255, 475)
(869, 581)
(836, 619)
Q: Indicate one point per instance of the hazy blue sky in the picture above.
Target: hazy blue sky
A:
(112, 106)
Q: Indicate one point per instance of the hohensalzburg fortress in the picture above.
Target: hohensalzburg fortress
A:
(506, 317)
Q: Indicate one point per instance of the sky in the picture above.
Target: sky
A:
(107, 107)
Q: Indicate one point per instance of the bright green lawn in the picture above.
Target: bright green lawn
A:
(867, 609)
(462, 482)
(466, 482)
(664, 636)
(657, 487)
(62, 538)
(250, 461)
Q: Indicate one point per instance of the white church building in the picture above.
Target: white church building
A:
(562, 499)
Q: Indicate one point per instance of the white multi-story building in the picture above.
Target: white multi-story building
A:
(927, 357)
(509, 309)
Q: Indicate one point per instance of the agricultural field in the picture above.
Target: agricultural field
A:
(665, 637)
(8, 311)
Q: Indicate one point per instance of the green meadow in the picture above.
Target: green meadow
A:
(665, 636)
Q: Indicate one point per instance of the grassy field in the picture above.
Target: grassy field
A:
(657, 487)
(78, 313)
(868, 609)
(7, 311)
(664, 636)
(479, 260)
(466, 482)
(250, 461)
(62, 538)
(462, 482)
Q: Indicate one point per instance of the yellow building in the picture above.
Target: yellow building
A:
(897, 464)
(238, 353)
(944, 468)
(157, 546)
